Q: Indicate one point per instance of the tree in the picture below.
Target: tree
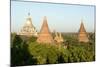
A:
(19, 53)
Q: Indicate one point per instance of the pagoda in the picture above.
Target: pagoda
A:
(82, 35)
(45, 36)
(58, 38)
(28, 29)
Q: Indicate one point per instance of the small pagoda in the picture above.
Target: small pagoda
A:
(58, 38)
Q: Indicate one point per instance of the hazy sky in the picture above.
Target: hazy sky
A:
(61, 17)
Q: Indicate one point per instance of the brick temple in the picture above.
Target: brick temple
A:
(45, 35)
(82, 35)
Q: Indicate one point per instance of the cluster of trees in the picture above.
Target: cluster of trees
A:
(19, 52)
(29, 52)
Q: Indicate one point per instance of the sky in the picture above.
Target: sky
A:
(60, 17)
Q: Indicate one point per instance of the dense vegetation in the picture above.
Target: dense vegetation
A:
(26, 51)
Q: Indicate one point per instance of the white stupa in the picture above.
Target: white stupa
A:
(28, 29)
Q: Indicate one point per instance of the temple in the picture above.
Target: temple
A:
(58, 38)
(45, 35)
(82, 35)
(28, 29)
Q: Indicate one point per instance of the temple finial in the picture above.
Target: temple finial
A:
(82, 20)
(28, 14)
(45, 18)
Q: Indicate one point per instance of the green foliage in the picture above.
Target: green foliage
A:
(29, 52)
(12, 38)
(42, 51)
(19, 52)
(32, 39)
(15, 40)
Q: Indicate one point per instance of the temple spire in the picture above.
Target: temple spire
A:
(82, 36)
(82, 28)
(28, 14)
(45, 35)
(58, 37)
